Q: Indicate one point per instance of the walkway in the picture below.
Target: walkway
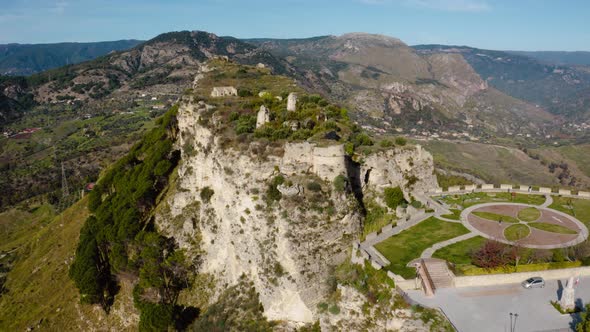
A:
(427, 253)
(548, 201)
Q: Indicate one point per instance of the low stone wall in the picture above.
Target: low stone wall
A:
(510, 187)
(512, 278)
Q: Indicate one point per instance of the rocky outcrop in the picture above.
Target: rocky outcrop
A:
(292, 102)
(262, 117)
(325, 162)
(410, 168)
(287, 245)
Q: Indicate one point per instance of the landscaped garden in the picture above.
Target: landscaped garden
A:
(579, 208)
(402, 248)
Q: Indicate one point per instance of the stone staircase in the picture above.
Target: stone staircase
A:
(439, 273)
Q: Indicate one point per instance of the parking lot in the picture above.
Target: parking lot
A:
(484, 309)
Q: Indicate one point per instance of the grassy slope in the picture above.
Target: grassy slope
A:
(490, 162)
(39, 286)
(400, 249)
(576, 156)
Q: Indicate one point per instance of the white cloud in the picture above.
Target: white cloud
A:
(444, 5)
(59, 7)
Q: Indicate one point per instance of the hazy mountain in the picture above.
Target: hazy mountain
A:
(562, 90)
(27, 59)
(558, 58)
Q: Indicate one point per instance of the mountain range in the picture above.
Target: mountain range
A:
(27, 59)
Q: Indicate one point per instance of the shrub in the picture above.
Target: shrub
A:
(491, 255)
(334, 310)
(386, 143)
(244, 93)
(340, 183)
(394, 197)
(245, 124)
(206, 194)
(362, 139)
(416, 204)
(349, 148)
(272, 193)
(314, 186)
(401, 141)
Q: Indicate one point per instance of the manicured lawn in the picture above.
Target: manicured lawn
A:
(516, 232)
(552, 228)
(460, 252)
(455, 215)
(468, 200)
(495, 217)
(581, 208)
(529, 214)
(400, 249)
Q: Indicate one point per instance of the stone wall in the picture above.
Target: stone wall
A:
(511, 188)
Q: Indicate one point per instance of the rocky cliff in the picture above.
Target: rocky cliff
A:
(225, 212)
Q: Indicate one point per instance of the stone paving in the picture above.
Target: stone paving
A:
(487, 309)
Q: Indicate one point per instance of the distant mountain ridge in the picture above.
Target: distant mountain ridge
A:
(581, 58)
(561, 89)
(27, 59)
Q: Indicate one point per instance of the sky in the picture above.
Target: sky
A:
(528, 25)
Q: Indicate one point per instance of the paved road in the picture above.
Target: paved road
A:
(487, 309)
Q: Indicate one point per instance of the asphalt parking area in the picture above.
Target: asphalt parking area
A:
(488, 308)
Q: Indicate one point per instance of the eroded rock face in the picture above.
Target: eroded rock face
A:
(288, 249)
(410, 168)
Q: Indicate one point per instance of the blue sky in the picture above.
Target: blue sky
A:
(492, 24)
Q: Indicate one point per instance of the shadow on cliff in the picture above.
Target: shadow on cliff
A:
(353, 169)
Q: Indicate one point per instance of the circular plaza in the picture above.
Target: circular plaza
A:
(524, 225)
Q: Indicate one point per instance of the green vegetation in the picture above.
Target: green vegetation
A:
(400, 249)
(121, 226)
(340, 183)
(460, 252)
(579, 208)
(491, 163)
(552, 228)
(516, 232)
(374, 284)
(470, 270)
(447, 180)
(377, 217)
(206, 194)
(83, 144)
(38, 283)
(529, 214)
(394, 197)
(495, 217)
(237, 309)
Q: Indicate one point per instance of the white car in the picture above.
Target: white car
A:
(534, 282)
